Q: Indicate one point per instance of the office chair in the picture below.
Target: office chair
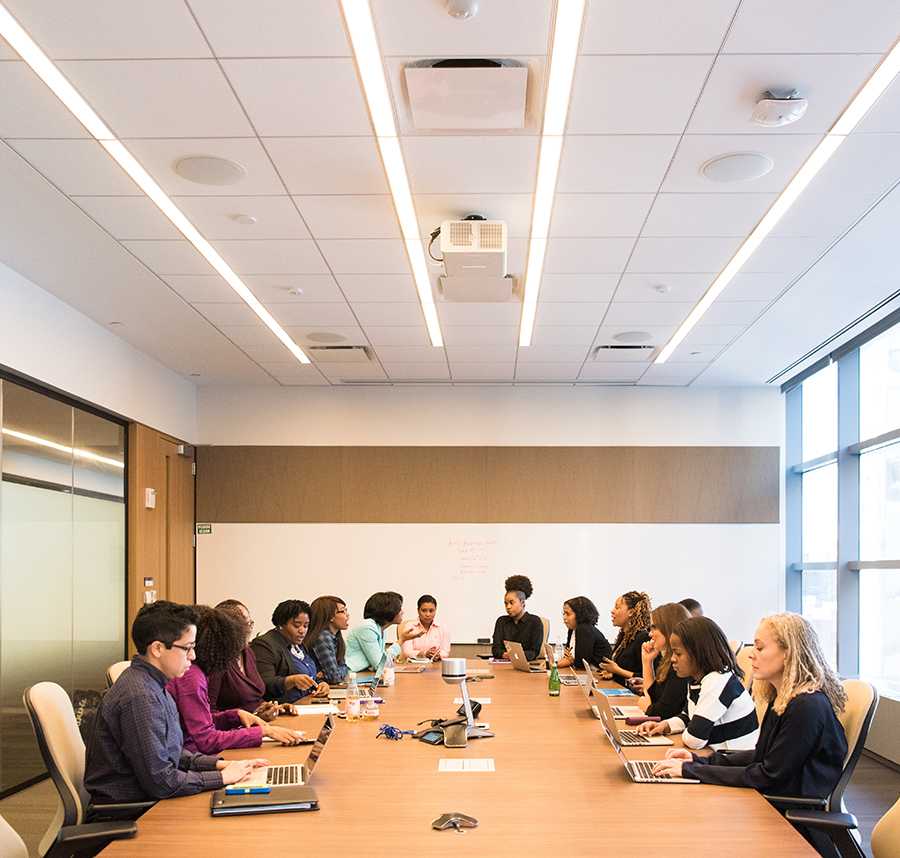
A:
(546, 623)
(856, 719)
(71, 841)
(840, 828)
(62, 749)
(114, 671)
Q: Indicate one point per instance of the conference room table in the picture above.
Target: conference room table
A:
(558, 788)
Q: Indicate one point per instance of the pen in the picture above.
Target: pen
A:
(247, 790)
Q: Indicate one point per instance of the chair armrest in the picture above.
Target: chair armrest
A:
(95, 835)
(785, 802)
(822, 819)
(124, 810)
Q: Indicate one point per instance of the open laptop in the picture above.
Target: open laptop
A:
(620, 712)
(584, 683)
(519, 662)
(292, 774)
(628, 738)
(366, 686)
(641, 771)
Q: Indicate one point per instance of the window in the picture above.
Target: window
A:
(820, 413)
(879, 631)
(819, 606)
(879, 504)
(879, 384)
(820, 492)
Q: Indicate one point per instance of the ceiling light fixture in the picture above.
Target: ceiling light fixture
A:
(25, 46)
(564, 53)
(361, 27)
(869, 93)
(62, 448)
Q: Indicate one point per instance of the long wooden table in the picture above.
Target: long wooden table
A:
(558, 789)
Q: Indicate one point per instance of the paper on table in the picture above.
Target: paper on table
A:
(485, 764)
(482, 700)
(317, 709)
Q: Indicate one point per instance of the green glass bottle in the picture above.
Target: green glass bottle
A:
(554, 681)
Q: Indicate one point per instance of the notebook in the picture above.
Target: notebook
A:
(284, 800)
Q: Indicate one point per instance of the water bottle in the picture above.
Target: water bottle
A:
(389, 675)
(353, 713)
(553, 685)
(557, 652)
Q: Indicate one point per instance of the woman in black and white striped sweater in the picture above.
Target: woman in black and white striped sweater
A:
(719, 712)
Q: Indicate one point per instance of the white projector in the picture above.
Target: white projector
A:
(474, 248)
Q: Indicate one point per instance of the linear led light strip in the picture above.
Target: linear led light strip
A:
(360, 26)
(62, 448)
(25, 46)
(566, 36)
(846, 122)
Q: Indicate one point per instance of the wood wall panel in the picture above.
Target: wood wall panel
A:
(488, 484)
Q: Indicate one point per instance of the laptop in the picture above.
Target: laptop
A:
(628, 738)
(519, 662)
(620, 712)
(641, 771)
(293, 774)
(366, 686)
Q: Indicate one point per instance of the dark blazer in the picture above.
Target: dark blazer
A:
(591, 645)
(629, 657)
(273, 660)
(668, 697)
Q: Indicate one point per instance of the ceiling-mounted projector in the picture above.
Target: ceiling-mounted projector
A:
(474, 255)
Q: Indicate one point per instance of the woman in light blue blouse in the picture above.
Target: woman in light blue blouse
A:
(365, 643)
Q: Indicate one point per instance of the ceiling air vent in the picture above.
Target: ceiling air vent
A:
(340, 354)
(631, 350)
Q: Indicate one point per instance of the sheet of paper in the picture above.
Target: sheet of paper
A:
(482, 700)
(485, 764)
(317, 709)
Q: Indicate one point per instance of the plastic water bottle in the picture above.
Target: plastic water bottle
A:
(557, 652)
(389, 675)
(353, 713)
(553, 685)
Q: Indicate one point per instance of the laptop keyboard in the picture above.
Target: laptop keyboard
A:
(282, 775)
(636, 738)
(643, 769)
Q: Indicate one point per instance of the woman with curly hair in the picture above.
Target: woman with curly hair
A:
(664, 690)
(584, 641)
(220, 640)
(802, 746)
(518, 625)
(631, 614)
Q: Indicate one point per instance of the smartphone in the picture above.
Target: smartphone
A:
(433, 737)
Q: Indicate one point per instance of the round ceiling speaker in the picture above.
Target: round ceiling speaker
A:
(325, 337)
(209, 170)
(737, 167)
(632, 337)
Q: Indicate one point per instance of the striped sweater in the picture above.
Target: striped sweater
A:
(720, 714)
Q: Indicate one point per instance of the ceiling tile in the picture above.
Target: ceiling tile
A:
(788, 152)
(656, 27)
(552, 354)
(615, 163)
(398, 336)
(292, 29)
(885, 114)
(737, 82)
(655, 287)
(501, 28)
(351, 335)
(159, 157)
(249, 335)
(671, 374)
(755, 287)
(643, 313)
(480, 335)
(326, 313)
(483, 371)
(577, 215)
(706, 214)
(347, 216)
(215, 217)
(695, 354)
(768, 26)
(513, 209)
(294, 374)
(563, 335)
(712, 335)
(274, 352)
(492, 165)
(269, 288)
(451, 313)
(300, 97)
(570, 313)
(76, 166)
(682, 254)
(547, 371)
(228, 314)
(635, 94)
(611, 371)
(160, 98)
(111, 29)
(30, 109)
(271, 257)
(418, 371)
(169, 257)
(578, 287)
(584, 255)
(393, 313)
(659, 334)
(411, 354)
(360, 288)
(622, 355)
(778, 253)
(350, 372)
(482, 354)
(365, 256)
(329, 165)
(733, 312)
(128, 217)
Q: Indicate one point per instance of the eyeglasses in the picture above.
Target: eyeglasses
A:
(341, 611)
(185, 647)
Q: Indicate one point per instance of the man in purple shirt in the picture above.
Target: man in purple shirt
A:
(136, 749)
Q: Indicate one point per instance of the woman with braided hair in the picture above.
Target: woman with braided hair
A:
(631, 614)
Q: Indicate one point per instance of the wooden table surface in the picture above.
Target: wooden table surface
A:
(558, 789)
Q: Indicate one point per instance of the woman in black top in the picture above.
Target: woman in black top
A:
(518, 625)
(631, 614)
(584, 642)
(664, 689)
(802, 746)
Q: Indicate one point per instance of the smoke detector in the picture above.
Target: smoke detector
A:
(737, 167)
(779, 107)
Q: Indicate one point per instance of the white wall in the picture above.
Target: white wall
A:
(485, 415)
(46, 339)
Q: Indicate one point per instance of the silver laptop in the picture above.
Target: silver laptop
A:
(366, 686)
(620, 712)
(629, 738)
(519, 662)
(292, 774)
(641, 771)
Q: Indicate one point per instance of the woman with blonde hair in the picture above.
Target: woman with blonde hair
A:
(631, 613)
(664, 690)
(801, 747)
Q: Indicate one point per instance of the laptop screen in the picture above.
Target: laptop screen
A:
(319, 746)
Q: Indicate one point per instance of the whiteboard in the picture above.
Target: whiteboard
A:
(734, 570)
